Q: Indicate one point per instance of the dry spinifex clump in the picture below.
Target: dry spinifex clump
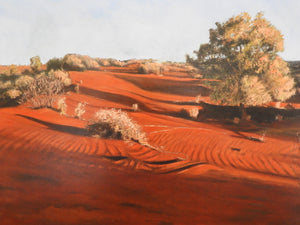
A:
(112, 123)
(42, 92)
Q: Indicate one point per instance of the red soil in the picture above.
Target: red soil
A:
(202, 172)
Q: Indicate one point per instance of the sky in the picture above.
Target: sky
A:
(165, 30)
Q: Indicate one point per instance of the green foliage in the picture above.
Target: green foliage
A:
(35, 64)
(54, 64)
(242, 54)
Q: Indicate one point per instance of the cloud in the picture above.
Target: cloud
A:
(123, 29)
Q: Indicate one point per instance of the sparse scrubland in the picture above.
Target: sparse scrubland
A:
(36, 87)
(92, 140)
(242, 58)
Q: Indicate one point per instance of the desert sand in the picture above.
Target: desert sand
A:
(201, 172)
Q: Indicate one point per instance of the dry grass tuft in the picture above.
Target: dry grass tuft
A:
(135, 107)
(80, 110)
(62, 106)
(42, 92)
(112, 123)
(193, 112)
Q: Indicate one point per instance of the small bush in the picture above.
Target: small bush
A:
(5, 85)
(135, 107)
(115, 62)
(62, 76)
(194, 113)
(147, 68)
(73, 62)
(54, 64)
(26, 72)
(89, 63)
(13, 70)
(14, 93)
(112, 123)
(8, 93)
(42, 92)
(62, 106)
(198, 99)
(80, 110)
(35, 64)
(24, 81)
(103, 62)
(79, 62)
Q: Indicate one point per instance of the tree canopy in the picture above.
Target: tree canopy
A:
(242, 54)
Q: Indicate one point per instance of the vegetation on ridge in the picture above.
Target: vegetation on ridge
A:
(242, 54)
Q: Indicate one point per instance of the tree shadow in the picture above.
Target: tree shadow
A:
(168, 101)
(114, 98)
(57, 127)
(184, 88)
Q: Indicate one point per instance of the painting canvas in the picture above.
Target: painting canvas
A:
(111, 113)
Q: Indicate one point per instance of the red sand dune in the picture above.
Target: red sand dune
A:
(201, 172)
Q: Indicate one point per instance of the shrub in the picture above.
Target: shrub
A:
(77, 88)
(73, 62)
(193, 112)
(26, 72)
(135, 107)
(89, 63)
(5, 85)
(242, 53)
(80, 109)
(198, 99)
(147, 68)
(112, 123)
(6, 93)
(14, 93)
(103, 62)
(115, 62)
(54, 64)
(62, 106)
(42, 92)
(24, 81)
(79, 62)
(62, 76)
(35, 64)
(13, 70)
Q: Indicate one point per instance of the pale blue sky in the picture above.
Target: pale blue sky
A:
(124, 29)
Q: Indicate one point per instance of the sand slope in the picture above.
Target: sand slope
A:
(199, 171)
